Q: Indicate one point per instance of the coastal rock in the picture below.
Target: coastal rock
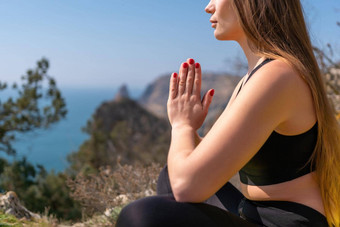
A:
(109, 114)
(133, 131)
(123, 93)
(121, 131)
(10, 204)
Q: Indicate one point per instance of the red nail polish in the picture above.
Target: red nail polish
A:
(175, 75)
(185, 65)
(191, 61)
(212, 92)
(197, 65)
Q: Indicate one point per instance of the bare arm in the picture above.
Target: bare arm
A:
(197, 172)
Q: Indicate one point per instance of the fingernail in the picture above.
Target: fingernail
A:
(185, 65)
(212, 92)
(191, 61)
(197, 65)
(175, 75)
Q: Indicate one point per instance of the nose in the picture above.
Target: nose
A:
(210, 8)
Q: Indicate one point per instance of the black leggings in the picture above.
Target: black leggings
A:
(227, 207)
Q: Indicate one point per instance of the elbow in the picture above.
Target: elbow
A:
(182, 196)
(184, 192)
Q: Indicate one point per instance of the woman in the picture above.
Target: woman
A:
(278, 130)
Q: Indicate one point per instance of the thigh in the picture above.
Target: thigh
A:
(228, 197)
(281, 214)
(164, 211)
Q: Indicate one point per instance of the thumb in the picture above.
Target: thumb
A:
(208, 99)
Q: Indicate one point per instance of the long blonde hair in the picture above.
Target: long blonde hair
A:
(277, 29)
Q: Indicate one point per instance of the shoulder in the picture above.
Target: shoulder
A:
(279, 71)
(272, 90)
(276, 77)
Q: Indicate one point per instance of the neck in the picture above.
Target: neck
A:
(252, 58)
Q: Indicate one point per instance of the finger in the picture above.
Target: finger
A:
(173, 87)
(196, 90)
(183, 77)
(190, 77)
(207, 100)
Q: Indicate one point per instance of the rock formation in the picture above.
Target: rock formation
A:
(123, 93)
(10, 204)
(122, 131)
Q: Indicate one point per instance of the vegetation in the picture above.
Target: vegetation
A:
(38, 189)
(109, 190)
(23, 113)
(38, 103)
(101, 195)
(79, 192)
(7, 220)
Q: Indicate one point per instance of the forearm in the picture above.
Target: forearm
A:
(183, 142)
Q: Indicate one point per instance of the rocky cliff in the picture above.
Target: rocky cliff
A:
(123, 93)
(122, 131)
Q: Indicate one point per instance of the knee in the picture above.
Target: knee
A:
(142, 212)
(132, 215)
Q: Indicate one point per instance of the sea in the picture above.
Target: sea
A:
(50, 147)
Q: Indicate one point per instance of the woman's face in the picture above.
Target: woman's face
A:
(224, 20)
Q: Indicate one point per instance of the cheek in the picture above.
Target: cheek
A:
(228, 30)
(228, 26)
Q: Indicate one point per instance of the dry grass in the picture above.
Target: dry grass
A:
(109, 190)
(44, 221)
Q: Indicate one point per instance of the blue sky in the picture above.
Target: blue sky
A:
(106, 43)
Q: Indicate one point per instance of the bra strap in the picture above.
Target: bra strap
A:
(258, 67)
(254, 71)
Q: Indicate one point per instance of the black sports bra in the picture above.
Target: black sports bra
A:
(281, 158)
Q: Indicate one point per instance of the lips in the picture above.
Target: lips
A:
(213, 23)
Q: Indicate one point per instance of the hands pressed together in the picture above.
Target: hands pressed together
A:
(185, 106)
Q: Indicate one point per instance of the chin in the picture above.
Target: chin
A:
(220, 36)
(224, 36)
(228, 33)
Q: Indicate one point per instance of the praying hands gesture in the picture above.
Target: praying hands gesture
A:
(185, 106)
